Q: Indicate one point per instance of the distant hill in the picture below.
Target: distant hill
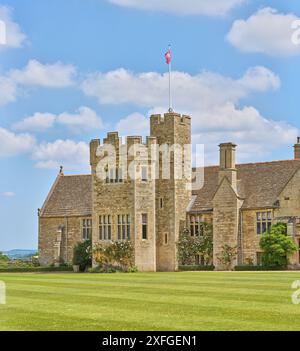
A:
(16, 254)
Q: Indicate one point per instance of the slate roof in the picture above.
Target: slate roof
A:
(71, 195)
(258, 183)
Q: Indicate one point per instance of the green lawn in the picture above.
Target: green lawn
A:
(150, 301)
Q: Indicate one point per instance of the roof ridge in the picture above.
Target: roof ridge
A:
(75, 175)
(253, 163)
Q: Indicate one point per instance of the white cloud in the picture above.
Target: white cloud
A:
(13, 36)
(255, 135)
(83, 119)
(39, 122)
(214, 102)
(266, 31)
(8, 194)
(14, 144)
(187, 7)
(204, 90)
(55, 75)
(72, 155)
(134, 124)
(8, 90)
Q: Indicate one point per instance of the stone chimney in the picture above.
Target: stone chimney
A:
(297, 150)
(227, 164)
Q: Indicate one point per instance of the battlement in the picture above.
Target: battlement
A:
(169, 118)
(100, 150)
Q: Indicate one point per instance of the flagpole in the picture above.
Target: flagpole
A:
(170, 82)
(170, 85)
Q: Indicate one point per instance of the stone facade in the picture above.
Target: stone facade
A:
(57, 238)
(135, 198)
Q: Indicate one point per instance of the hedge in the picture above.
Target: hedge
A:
(259, 268)
(196, 268)
(35, 269)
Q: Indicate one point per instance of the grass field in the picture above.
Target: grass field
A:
(150, 301)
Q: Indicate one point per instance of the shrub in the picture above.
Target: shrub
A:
(276, 246)
(102, 269)
(259, 268)
(228, 255)
(116, 253)
(196, 268)
(191, 246)
(34, 269)
(82, 255)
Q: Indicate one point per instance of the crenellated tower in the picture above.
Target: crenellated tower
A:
(173, 192)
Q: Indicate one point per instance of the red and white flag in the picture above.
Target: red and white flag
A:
(168, 57)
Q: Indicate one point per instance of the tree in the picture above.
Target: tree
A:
(82, 255)
(228, 255)
(276, 246)
(4, 258)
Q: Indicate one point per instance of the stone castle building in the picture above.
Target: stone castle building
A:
(240, 200)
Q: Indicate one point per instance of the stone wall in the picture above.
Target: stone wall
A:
(174, 194)
(250, 239)
(225, 222)
(132, 197)
(51, 242)
(289, 201)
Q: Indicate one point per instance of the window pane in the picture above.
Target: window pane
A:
(100, 233)
(109, 219)
(258, 216)
(258, 228)
(128, 232)
(100, 219)
(144, 173)
(144, 232)
(120, 175)
(144, 218)
(109, 232)
(119, 232)
(263, 226)
(123, 232)
(269, 215)
(104, 233)
(264, 215)
(128, 218)
(123, 219)
(192, 230)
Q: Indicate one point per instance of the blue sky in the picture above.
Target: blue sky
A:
(72, 70)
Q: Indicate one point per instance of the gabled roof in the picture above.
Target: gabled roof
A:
(71, 195)
(259, 184)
